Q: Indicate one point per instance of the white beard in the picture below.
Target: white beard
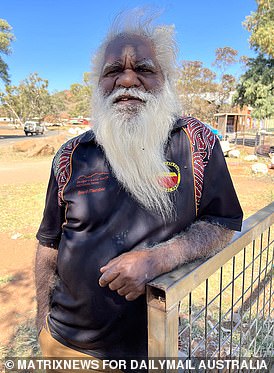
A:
(134, 141)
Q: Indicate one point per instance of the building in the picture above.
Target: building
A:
(231, 123)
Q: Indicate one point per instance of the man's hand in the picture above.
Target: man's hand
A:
(129, 273)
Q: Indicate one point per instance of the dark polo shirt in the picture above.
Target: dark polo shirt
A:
(90, 219)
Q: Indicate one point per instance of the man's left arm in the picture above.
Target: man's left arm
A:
(128, 273)
(219, 214)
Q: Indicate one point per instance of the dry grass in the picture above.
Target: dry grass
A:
(21, 207)
(24, 342)
(6, 279)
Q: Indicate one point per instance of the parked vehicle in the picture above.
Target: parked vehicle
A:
(31, 128)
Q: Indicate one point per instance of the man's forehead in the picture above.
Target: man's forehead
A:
(133, 46)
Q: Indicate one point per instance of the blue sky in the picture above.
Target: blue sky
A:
(57, 38)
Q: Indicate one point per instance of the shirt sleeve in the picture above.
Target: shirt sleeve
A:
(219, 202)
(50, 230)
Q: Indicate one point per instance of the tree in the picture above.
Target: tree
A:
(6, 37)
(58, 103)
(74, 102)
(29, 100)
(226, 88)
(81, 97)
(225, 57)
(197, 86)
(261, 26)
(256, 87)
(34, 91)
(203, 93)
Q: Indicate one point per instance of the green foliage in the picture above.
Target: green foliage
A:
(256, 87)
(73, 102)
(29, 100)
(58, 104)
(6, 279)
(6, 37)
(4, 71)
(261, 26)
(80, 97)
(226, 87)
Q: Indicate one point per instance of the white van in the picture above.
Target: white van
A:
(31, 127)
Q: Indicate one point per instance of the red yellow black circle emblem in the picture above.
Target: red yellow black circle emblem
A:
(170, 180)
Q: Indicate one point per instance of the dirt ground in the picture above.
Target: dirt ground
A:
(17, 297)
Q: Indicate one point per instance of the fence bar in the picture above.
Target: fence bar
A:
(190, 324)
(232, 306)
(242, 305)
(206, 316)
(220, 309)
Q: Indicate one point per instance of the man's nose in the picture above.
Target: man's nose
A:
(128, 78)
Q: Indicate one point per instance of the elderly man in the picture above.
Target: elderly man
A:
(144, 192)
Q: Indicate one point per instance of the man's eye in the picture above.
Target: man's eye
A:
(144, 69)
(109, 73)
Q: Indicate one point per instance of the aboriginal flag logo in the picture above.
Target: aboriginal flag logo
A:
(170, 180)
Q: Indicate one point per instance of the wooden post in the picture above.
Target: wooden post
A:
(162, 328)
(226, 132)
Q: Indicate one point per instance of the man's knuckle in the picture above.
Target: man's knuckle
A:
(121, 291)
(140, 288)
(111, 286)
(127, 275)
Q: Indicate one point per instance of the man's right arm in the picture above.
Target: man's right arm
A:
(45, 272)
(48, 236)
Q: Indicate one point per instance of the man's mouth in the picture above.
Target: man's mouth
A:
(127, 99)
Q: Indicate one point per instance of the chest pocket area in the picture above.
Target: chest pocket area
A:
(91, 194)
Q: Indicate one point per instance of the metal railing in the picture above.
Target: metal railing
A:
(221, 307)
(261, 141)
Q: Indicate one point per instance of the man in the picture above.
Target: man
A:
(141, 194)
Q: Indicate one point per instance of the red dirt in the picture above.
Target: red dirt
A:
(22, 173)
(17, 298)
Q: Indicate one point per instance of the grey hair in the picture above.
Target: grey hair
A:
(138, 22)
